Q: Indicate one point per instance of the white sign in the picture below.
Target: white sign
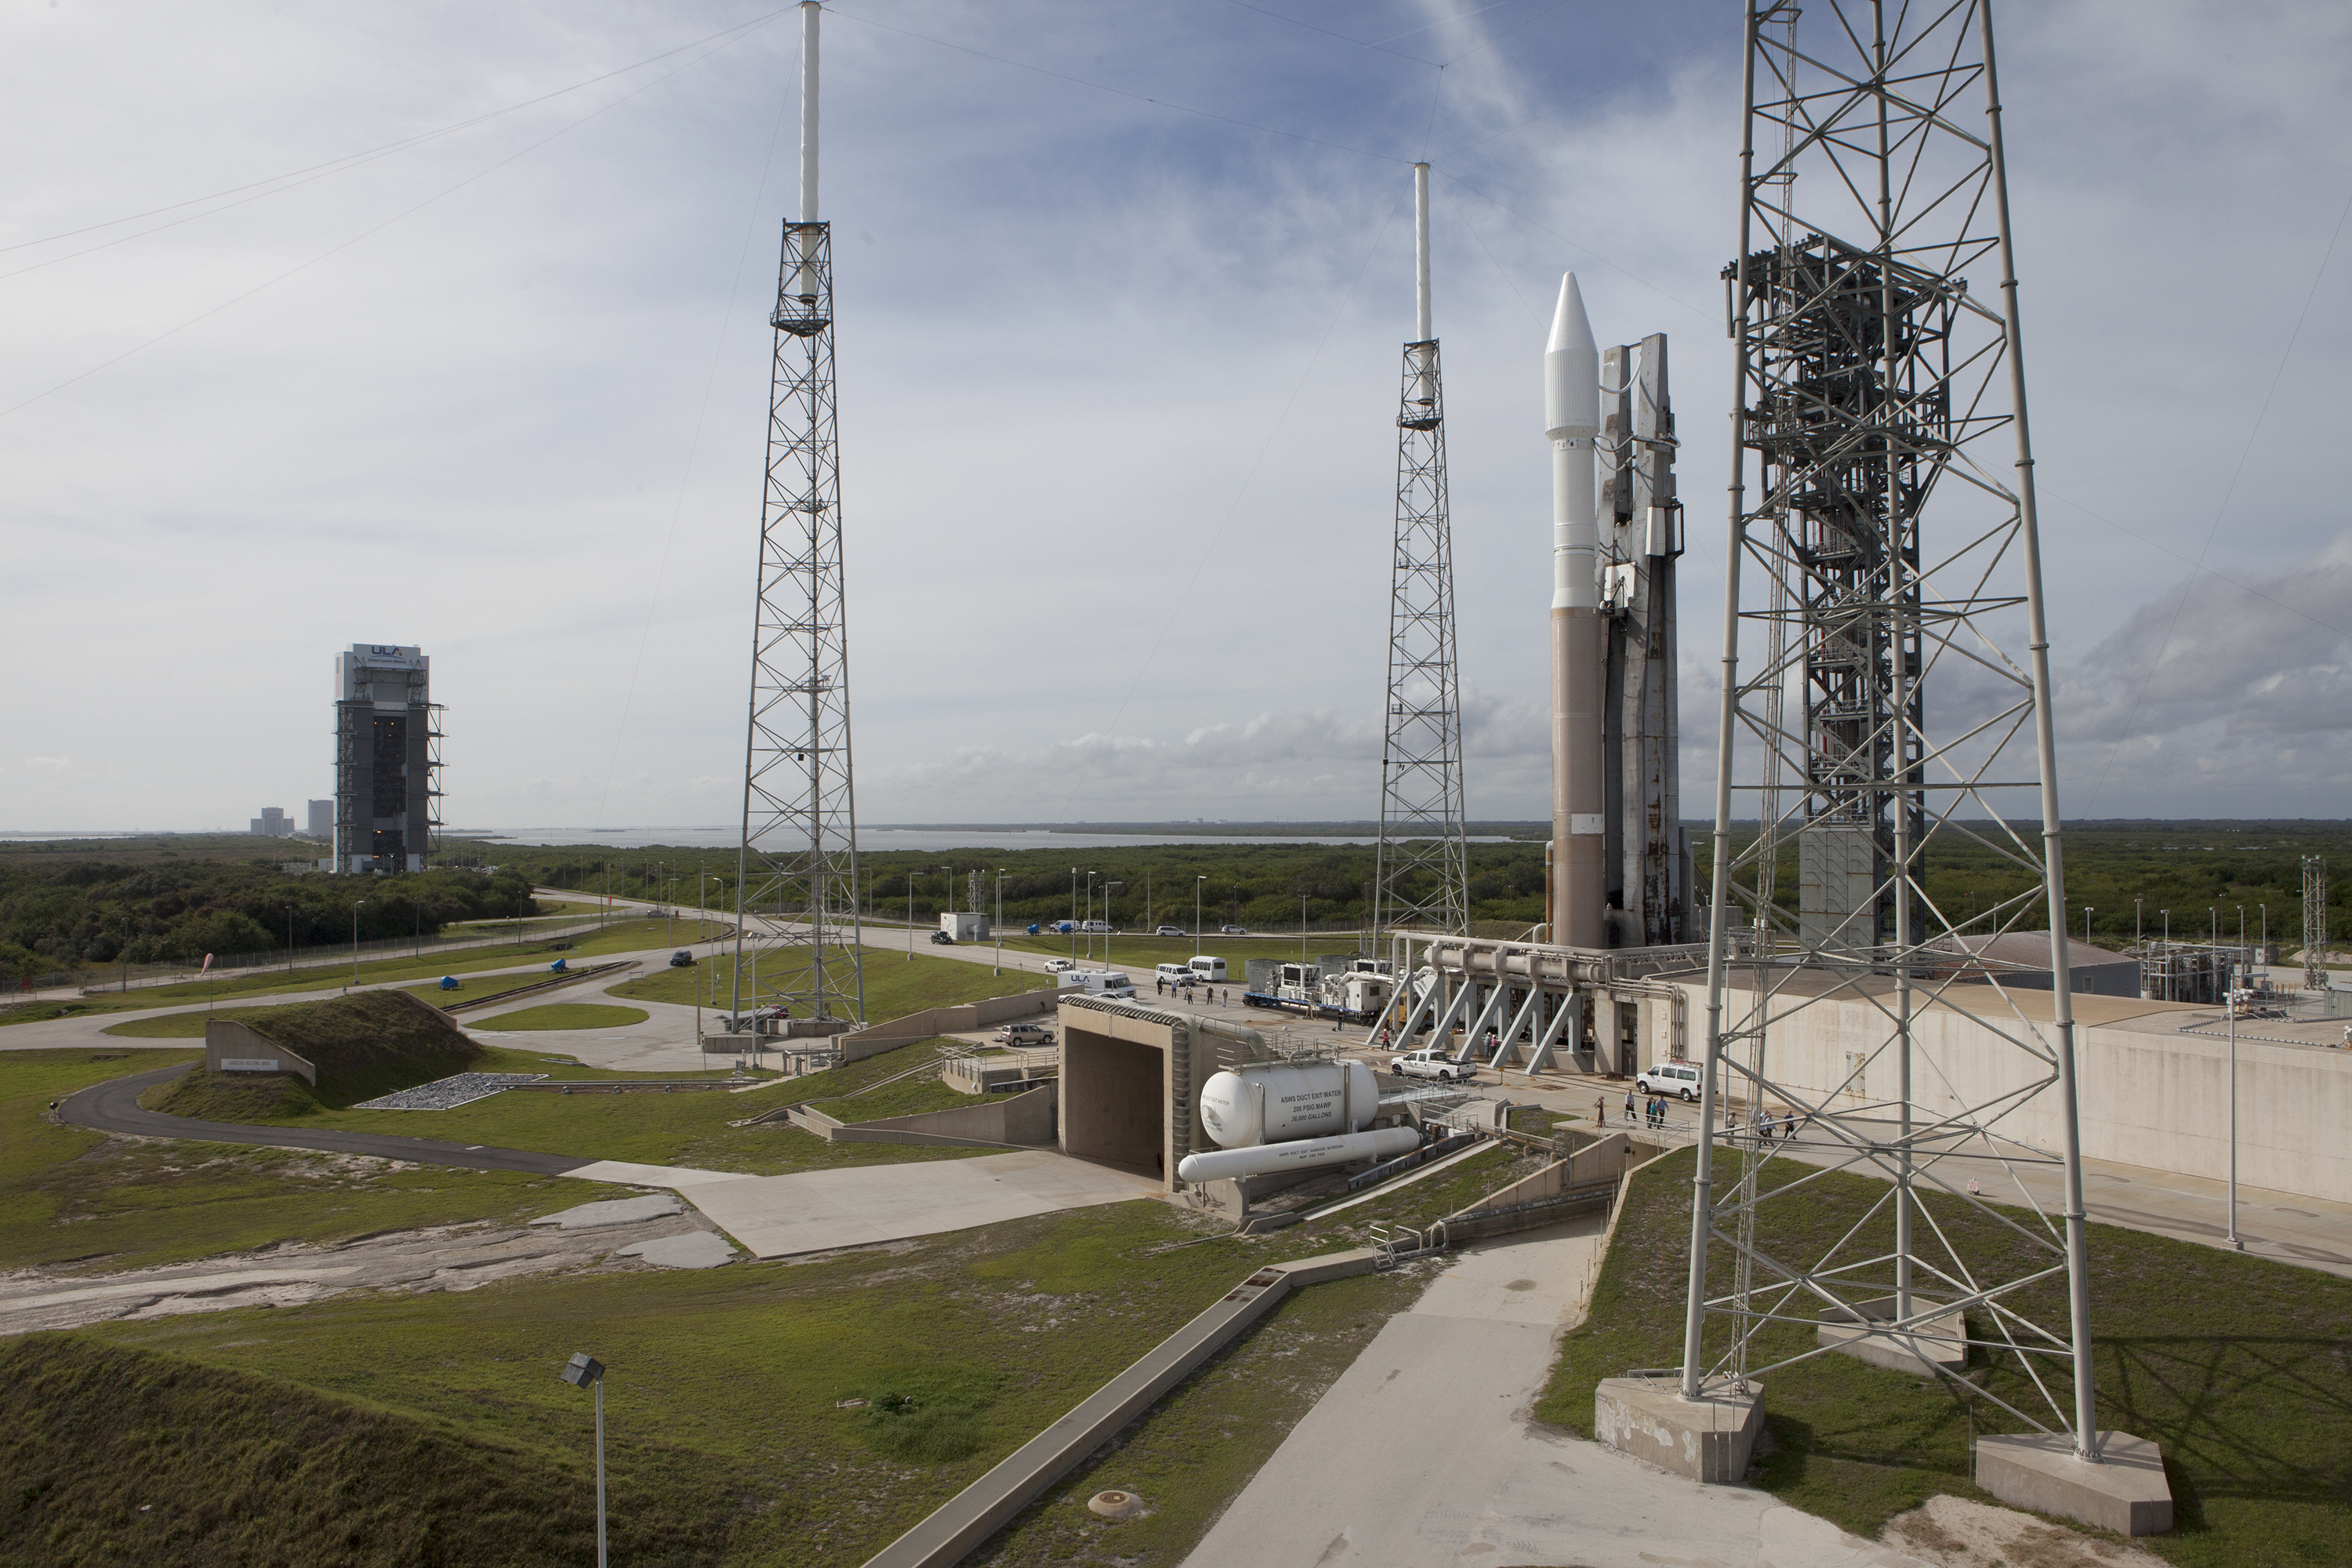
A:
(248, 1064)
(1584, 822)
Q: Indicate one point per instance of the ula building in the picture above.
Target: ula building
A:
(387, 759)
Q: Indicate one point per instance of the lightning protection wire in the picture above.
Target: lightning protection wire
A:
(1115, 91)
(1202, 557)
(2228, 491)
(338, 248)
(296, 178)
(784, 102)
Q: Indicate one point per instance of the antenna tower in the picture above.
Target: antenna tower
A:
(1883, 546)
(2314, 923)
(797, 865)
(1421, 870)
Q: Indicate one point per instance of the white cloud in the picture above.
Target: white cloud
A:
(1116, 379)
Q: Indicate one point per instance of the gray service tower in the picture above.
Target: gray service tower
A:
(387, 759)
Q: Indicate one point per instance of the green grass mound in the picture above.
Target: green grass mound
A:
(566, 1015)
(364, 1044)
(2239, 1368)
(118, 1456)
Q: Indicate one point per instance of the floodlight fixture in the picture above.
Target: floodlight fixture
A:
(584, 1370)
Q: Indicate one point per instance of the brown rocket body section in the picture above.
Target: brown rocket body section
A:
(1579, 786)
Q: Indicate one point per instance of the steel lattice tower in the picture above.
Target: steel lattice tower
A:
(798, 862)
(1421, 870)
(1882, 556)
(2314, 923)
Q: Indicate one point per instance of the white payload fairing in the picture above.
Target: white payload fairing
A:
(1575, 890)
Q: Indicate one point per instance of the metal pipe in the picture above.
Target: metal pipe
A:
(2078, 1288)
(810, 11)
(1719, 901)
(1422, 331)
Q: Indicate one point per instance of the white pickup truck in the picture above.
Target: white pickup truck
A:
(1432, 1063)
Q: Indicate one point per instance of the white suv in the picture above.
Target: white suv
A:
(1680, 1078)
(1432, 1063)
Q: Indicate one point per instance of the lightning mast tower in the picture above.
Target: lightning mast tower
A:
(1422, 872)
(1888, 549)
(797, 865)
(2314, 923)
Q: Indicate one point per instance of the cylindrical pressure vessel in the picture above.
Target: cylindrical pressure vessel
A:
(1299, 1154)
(1273, 1102)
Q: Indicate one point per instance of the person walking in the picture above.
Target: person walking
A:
(1601, 1111)
(1629, 1108)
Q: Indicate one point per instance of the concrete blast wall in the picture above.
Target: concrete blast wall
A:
(2149, 1096)
(932, 1022)
(231, 1047)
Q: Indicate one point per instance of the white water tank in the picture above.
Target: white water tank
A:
(1275, 1102)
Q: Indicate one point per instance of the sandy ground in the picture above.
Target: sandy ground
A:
(1953, 1532)
(445, 1257)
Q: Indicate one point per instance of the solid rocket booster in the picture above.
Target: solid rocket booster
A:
(1579, 796)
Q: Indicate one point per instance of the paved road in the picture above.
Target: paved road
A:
(113, 1107)
(1424, 1452)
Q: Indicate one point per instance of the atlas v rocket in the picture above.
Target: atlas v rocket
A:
(1617, 870)
(1578, 791)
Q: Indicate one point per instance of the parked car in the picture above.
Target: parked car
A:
(681, 959)
(1170, 931)
(1678, 1078)
(1055, 965)
(1432, 1063)
(941, 939)
(1237, 931)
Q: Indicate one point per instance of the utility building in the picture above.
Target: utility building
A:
(387, 759)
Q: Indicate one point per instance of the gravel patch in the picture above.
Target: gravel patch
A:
(441, 1094)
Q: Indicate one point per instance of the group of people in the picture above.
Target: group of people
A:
(1760, 1125)
(1164, 987)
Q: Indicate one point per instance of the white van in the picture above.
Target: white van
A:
(1207, 968)
(1178, 974)
(1679, 1078)
(1095, 927)
(1095, 982)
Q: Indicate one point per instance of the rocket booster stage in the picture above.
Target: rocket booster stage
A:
(1576, 890)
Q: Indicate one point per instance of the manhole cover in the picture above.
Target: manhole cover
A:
(1116, 1505)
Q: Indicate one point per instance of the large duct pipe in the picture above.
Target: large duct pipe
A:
(1578, 792)
(1303, 1154)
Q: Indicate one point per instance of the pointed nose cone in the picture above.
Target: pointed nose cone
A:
(1572, 370)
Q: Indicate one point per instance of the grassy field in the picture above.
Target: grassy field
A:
(564, 1016)
(894, 984)
(74, 1197)
(119, 1455)
(727, 1431)
(653, 1128)
(1139, 954)
(2239, 1368)
(626, 936)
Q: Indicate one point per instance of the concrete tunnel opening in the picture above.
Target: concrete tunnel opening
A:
(1119, 1114)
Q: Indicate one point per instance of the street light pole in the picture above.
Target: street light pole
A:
(1000, 922)
(585, 1369)
(2229, 1000)
(2086, 925)
(1073, 915)
(1197, 933)
(355, 941)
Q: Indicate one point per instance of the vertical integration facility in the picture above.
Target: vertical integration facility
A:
(387, 759)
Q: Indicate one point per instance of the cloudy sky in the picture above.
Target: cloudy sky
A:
(444, 324)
